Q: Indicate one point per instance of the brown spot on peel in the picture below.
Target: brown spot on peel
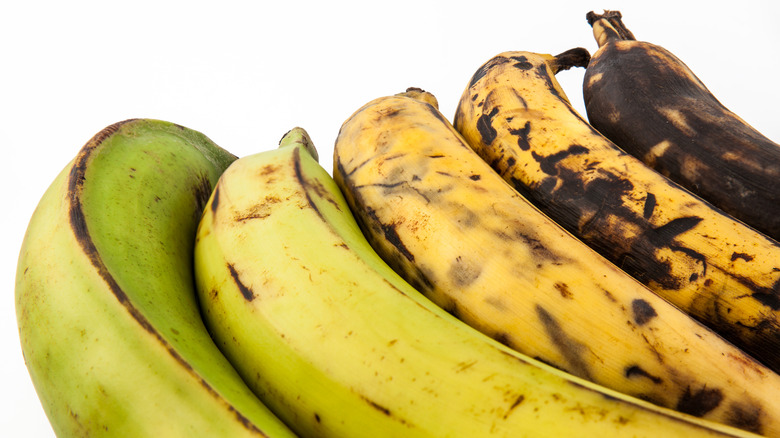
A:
(643, 311)
(246, 292)
(485, 127)
(699, 403)
(637, 371)
(571, 349)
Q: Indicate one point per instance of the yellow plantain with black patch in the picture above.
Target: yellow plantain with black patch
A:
(453, 228)
(516, 116)
(653, 106)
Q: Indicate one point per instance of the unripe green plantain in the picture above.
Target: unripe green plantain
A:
(653, 106)
(716, 268)
(108, 319)
(340, 346)
(466, 239)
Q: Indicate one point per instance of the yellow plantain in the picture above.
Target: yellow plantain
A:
(717, 269)
(453, 228)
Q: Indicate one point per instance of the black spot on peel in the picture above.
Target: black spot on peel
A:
(521, 63)
(390, 234)
(547, 163)
(643, 311)
(770, 299)
(520, 398)
(475, 177)
(699, 403)
(699, 257)
(741, 255)
(215, 200)
(202, 192)
(522, 136)
(649, 206)
(436, 113)
(570, 348)
(377, 406)
(485, 68)
(662, 236)
(485, 127)
(637, 371)
(246, 292)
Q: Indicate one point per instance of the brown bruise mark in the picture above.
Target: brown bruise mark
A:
(637, 371)
(246, 292)
(746, 416)
(463, 273)
(643, 311)
(699, 403)
(502, 338)
(308, 187)
(571, 349)
(82, 235)
(485, 127)
(259, 211)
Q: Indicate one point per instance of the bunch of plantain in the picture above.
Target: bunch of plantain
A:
(516, 116)
(458, 232)
(512, 273)
(653, 106)
(339, 345)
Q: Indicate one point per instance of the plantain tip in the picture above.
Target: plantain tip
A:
(421, 95)
(576, 57)
(299, 137)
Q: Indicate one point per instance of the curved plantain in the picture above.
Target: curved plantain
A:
(653, 106)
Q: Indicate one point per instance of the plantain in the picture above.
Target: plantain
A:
(646, 100)
(717, 269)
(440, 216)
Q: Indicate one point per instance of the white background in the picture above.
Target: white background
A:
(244, 73)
